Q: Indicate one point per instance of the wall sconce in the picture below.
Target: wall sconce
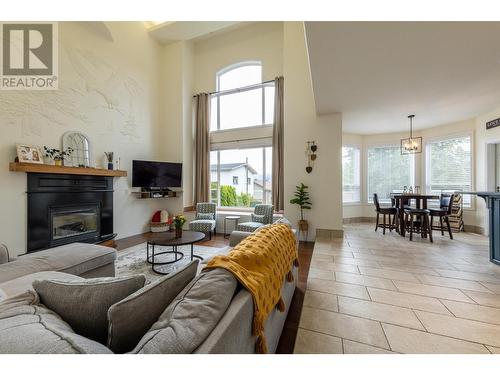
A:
(311, 149)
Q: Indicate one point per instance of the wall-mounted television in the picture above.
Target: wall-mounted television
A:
(156, 174)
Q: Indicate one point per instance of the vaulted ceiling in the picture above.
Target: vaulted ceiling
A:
(377, 73)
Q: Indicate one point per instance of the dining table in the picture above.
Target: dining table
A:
(400, 200)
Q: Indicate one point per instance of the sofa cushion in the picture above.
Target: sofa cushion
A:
(3, 295)
(190, 318)
(76, 258)
(26, 327)
(84, 304)
(130, 318)
(24, 283)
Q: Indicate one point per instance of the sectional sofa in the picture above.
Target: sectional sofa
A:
(27, 326)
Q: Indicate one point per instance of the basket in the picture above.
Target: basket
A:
(159, 227)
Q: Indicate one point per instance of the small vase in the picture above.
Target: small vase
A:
(110, 166)
(58, 163)
(178, 232)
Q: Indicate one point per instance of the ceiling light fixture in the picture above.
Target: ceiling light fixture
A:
(411, 145)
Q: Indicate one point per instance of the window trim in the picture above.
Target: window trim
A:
(386, 144)
(462, 134)
(360, 175)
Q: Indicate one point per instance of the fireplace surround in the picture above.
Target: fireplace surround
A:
(65, 208)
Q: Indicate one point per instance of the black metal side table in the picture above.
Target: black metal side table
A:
(231, 217)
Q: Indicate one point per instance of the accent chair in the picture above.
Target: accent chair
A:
(262, 215)
(205, 219)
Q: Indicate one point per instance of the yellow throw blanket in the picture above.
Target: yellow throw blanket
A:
(261, 262)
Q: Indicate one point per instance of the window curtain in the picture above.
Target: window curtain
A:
(278, 167)
(202, 149)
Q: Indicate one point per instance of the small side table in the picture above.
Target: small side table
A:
(235, 218)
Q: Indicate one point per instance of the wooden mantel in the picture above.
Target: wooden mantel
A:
(44, 168)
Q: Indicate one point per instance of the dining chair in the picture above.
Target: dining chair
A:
(443, 212)
(385, 211)
(424, 225)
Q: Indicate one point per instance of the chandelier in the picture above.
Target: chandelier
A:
(411, 145)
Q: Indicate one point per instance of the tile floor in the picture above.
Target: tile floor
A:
(370, 293)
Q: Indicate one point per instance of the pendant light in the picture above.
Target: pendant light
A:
(411, 145)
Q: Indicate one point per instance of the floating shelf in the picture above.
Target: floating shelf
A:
(159, 194)
(54, 169)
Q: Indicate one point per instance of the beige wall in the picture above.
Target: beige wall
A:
(301, 125)
(110, 90)
(262, 41)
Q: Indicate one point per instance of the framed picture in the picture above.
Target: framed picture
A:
(29, 154)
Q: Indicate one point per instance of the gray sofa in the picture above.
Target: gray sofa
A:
(78, 259)
(232, 333)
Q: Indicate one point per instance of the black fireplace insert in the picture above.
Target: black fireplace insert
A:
(68, 208)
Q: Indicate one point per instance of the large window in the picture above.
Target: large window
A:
(350, 174)
(241, 156)
(448, 166)
(242, 101)
(229, 167)
(388, 170)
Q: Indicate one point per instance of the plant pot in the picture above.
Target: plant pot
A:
(110, 166)
(178, 232)
(58, 163)
(303, 225)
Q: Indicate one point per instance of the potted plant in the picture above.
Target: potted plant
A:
(57, 155)
(302, 200)
(179, 221)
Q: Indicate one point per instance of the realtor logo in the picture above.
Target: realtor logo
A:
(28, 56)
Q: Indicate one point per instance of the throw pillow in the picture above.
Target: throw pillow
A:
(259, 218)
(130, 318)
(202, 216)
(192, 316)
(27, 327)
(84, 304)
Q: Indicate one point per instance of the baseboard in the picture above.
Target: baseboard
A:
(329, 233)
(361, 219)
(474, 229)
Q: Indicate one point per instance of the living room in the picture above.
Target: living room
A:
(212, 187)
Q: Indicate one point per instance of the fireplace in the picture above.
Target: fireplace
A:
(68, 208)
(74, 222)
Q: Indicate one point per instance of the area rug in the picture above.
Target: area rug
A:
(132, 261)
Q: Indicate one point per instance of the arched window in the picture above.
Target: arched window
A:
(239, 75)
(241, 121)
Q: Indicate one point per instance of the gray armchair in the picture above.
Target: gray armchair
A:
(262, 215)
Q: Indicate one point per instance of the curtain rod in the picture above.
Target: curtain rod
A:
(239, 89)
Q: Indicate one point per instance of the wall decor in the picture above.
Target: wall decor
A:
(80, 144)
(311, 149)
(493, 124)
(29, 154)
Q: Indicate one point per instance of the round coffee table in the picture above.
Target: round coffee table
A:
(168, 239)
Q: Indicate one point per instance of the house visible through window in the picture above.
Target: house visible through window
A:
(388, 170)
(351, 174)
(241, 137)
(449, 166)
